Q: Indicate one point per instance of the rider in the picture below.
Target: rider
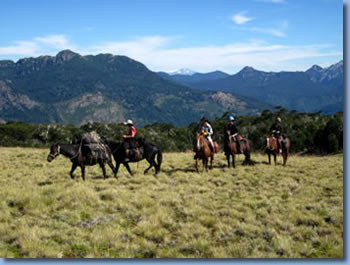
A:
(276, 130)
(231, 127)
(129, 139)
(206, 130)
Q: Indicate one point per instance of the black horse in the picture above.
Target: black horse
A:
(82, 159)
(146, 151)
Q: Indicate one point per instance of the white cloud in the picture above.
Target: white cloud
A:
(240, 18)
(279, 31)
(154, 53)
(55, 41)
(20, 48)
(158, 53)
(133, 48)
(50, 44)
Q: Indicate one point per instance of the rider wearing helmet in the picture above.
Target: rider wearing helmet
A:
(206, 130)
(231, 127)
(276, 130)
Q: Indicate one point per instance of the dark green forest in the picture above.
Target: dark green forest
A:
(310, 133)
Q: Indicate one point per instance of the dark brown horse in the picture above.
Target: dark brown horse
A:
(230, 148)
(78, 159)
(272, 148)
(203, 152)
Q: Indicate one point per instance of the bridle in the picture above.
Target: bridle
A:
(53, 156)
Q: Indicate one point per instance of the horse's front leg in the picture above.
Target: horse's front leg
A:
(116, 169)
(275, 158)
(205, 164)
(285, 156)
(228, 161)
(103, 167)
(269, 156)
(233, 161)
(197, 166)
(74, 166)
(83, 172)
(211, 162)
(128, 168)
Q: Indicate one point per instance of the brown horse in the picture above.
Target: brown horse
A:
(272, 148)
(230, 149)
(203, 152)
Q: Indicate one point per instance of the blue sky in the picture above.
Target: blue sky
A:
(204, 35)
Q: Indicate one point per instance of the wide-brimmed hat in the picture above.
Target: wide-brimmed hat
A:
(128, 122)
(204, 119)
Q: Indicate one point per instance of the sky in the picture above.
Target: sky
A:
(203, 35)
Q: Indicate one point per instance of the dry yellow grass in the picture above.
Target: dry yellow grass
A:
(258, 211)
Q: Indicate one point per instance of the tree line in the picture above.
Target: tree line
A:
(312, 133)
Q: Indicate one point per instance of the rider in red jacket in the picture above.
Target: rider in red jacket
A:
(129, 139)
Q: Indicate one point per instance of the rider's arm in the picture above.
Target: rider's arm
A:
(210, 132)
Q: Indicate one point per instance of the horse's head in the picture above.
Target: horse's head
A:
(54, 152)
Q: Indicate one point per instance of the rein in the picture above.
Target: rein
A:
(78, 152)
(114, 150)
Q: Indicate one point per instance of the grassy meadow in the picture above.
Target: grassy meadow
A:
(260, 211)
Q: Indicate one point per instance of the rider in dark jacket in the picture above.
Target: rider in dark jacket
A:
(234, 132)
(276, 130)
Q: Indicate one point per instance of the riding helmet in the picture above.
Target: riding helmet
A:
(278, 119)
(231, 118)
(128, 122)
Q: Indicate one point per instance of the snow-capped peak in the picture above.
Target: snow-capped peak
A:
(182, 71)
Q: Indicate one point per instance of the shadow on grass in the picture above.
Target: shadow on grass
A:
(215, 166)
(186, 170)
(101, 177)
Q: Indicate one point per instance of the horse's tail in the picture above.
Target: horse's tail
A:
(159, 159)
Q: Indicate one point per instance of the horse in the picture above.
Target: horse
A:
(203, 152)
(272, 148)
(230, 148)
(73, 152)
(147, 151)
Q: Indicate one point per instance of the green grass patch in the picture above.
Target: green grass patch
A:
(260, 211)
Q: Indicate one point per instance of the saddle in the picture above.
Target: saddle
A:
(234, 138)
(135, 154)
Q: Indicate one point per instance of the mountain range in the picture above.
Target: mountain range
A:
(70, 88)
(317, 89)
